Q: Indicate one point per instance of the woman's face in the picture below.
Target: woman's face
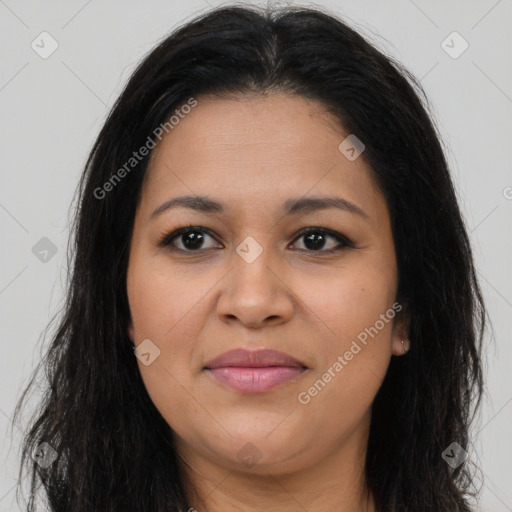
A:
(251, 281)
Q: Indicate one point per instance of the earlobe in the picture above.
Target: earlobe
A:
(130, 330)
(401, 346)
(401, 341)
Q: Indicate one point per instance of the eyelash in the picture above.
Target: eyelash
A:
(343, 240)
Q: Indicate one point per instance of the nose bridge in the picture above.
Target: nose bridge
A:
(252, 273)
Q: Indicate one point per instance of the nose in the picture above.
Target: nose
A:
(255, 294)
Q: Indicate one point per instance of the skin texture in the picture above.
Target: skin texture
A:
(253, 153)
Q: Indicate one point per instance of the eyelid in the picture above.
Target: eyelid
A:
(329, 232)
(167, 238)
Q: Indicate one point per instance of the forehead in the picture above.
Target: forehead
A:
(256, 148)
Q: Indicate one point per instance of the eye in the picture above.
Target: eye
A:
(191, 239)
(315, 239)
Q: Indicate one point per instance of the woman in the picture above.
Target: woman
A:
(273, 303)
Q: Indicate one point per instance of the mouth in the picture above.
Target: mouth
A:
(255, 371)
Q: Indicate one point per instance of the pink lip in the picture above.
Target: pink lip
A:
(254, 371)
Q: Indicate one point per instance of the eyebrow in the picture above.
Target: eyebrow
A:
(291, 206)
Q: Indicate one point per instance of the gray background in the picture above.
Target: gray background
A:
(53, 108)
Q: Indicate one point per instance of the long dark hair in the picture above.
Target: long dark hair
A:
(113, 449)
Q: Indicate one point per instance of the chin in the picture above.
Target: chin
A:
(258, 449)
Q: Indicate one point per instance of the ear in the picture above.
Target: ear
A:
(130, 330)
(401, 342)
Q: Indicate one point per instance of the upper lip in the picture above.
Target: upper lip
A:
(253, 359)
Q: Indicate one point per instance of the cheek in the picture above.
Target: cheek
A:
(166, 309)
(354, 339)
(351, 300)
(162, 300)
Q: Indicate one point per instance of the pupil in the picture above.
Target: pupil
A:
(314, 241)
(192, 240)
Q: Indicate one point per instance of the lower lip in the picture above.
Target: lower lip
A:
(255, 380)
